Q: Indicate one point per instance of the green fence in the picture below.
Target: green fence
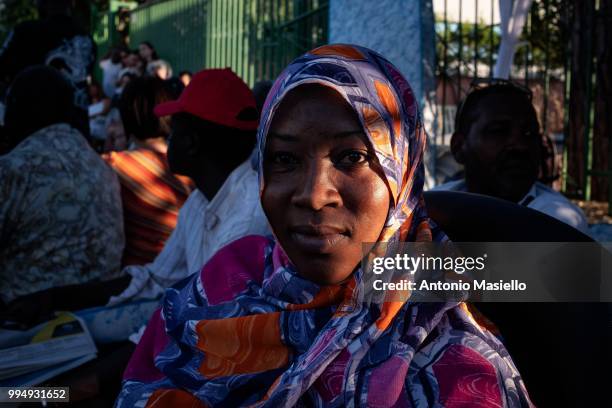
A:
(256, 38)
(176, 28)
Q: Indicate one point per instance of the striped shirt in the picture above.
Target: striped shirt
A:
(152, 196)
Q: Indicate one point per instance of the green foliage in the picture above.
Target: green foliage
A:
(545, 33)
(542, 41)
(465, 42)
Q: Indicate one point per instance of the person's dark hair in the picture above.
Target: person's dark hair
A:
(154, 55)
(97, 87)
(184, 72)
(260, 92)
(131, 75)
(175, 86)
(48, 8)
(39, 96)
(114, 53)
(467, 108)
(136, 53)
(136, 105)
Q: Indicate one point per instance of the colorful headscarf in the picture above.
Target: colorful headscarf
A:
(249, 331)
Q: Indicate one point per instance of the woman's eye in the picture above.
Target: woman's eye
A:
(352, 158)
(282, 160)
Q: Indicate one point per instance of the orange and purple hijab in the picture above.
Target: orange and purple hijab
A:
(249, 331)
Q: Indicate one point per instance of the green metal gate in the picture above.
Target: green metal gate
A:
(256, 38)
(176, 28)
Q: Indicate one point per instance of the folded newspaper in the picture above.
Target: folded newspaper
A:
(33, 356)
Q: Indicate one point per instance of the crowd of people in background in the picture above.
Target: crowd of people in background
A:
(129, 130)
(119, 67)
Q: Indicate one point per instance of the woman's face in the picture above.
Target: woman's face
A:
(324, 191)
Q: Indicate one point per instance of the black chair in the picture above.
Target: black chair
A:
(561, 349)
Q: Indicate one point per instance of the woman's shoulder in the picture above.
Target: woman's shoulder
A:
(233, 267)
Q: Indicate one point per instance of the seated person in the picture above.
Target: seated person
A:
(281, 320)
(213, 133)
(60, 214)
(497, 139)
(151, 194)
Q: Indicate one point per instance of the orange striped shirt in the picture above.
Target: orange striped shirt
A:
(152, 197)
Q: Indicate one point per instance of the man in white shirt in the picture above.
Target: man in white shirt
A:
(497, 139)
(213, 133)
(111, 67)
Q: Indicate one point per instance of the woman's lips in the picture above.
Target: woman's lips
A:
(317, 238)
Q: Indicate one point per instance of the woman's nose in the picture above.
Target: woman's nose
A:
(318, 188)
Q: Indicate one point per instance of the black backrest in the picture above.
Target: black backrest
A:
(561, 349)
(467, 217)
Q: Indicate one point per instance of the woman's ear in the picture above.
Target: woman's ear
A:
(457, 146)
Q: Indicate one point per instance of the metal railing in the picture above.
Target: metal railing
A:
(557, 59)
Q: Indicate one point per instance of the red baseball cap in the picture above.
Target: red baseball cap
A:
(218, 96)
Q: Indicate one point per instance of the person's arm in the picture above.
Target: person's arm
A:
(151, 280)
(29, 310)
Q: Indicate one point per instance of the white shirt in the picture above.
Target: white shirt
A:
(202, 229)
(110, 76)
(542, 198)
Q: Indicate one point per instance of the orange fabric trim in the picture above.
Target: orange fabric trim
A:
(385, 94)
(173, 398)
(339, 50)
(388, 312)
(328, 295)
(241, 345)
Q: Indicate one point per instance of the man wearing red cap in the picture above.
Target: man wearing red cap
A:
(214, 124)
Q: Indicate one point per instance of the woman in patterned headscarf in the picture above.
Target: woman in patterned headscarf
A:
(283, 321)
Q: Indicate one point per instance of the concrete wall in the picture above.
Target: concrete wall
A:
(402, 31)
(394, 28)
